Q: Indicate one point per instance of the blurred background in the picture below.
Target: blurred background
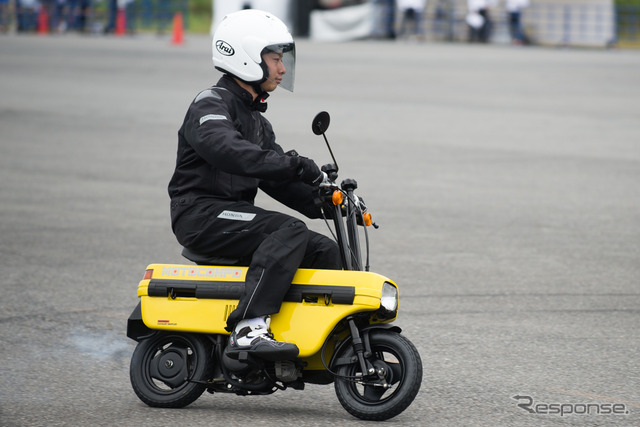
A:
(581, 23)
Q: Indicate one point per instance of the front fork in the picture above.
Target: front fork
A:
(362, 348)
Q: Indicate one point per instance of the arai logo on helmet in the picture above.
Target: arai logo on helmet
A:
(224, 48)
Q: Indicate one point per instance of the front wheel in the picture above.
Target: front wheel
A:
(398, 361)
(165, 367)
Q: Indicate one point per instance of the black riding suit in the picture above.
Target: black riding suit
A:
(226, 151)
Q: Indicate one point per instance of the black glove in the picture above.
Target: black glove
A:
(309, 172)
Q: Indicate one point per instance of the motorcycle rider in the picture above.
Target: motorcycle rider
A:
(226, 151)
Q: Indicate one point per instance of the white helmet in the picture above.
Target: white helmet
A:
(242, 37)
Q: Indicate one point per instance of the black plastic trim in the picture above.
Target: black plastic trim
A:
(136, 329)
(337, 294)
(234, 290)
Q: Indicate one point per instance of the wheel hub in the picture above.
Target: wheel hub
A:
(170, 366)
(169, 363)
(383, 372)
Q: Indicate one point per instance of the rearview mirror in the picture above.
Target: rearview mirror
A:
(320, 123)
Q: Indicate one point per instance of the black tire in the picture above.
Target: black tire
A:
(400, 359)
(164, 366)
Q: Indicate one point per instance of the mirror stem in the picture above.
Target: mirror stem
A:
(330, 151)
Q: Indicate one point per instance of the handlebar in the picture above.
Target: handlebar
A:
(346, 208)
(334, 194)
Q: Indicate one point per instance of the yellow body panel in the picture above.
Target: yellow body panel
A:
(305, 323)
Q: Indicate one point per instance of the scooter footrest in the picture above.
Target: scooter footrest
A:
(241, 355)
(290, 352)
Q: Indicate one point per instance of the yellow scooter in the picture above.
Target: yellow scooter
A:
(339, 319)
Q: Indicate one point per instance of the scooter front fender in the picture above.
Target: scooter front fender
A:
(363, 332)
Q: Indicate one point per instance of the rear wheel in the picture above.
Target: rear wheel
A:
(164, 366)
(397, 361)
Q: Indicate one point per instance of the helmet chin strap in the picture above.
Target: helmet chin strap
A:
(265, 74)
(260, 102)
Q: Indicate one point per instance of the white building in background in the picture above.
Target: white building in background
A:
(547, 22)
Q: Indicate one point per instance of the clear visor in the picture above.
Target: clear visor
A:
(288, 52)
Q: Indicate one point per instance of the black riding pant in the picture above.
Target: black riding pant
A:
(273, 244)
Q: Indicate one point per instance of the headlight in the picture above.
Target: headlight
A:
(389, 297)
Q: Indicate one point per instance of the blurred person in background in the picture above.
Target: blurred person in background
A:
(411, 18)
(479, 20)
(112, 11)
(5, 17)
(60, 13)
(514, 15)
(384, 19)
(27, 15)
(163, 15)
(80, 15)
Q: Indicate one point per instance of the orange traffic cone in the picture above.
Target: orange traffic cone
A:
(121, 22)
(178, 36)
(43, 21)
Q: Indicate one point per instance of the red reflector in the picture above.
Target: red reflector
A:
(148, 274)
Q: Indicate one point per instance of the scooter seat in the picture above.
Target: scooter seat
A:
(204, 259)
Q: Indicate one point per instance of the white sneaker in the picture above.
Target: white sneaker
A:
(253, 336)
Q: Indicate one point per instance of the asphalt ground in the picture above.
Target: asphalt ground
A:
(505, 182)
